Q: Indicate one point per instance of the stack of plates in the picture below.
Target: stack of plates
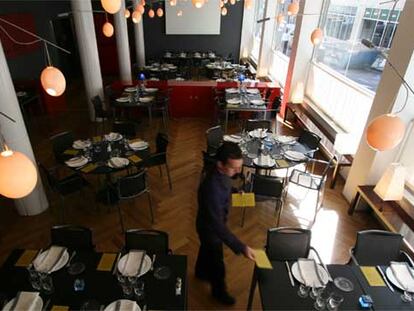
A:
(117, 162)
(232, 138)
(309, 277)
(264, 161)
(77, 162)
(81, 144)
(126, 267)
(51, 260)
(179, 79)
(138, 145)
(150, 90)
(294, 155)
(113, 136)
(25, 301)
(232, 91)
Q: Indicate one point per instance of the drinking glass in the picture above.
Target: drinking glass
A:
(334, 302)
(315, 292)
(321, 301)
(46, 283)
(127, 289)
(139, 290)
(406, 296)
(303, 291)
(34, 278)
(121, 279)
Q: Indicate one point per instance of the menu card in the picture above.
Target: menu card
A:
(262, 261)
(135, 159)
(372, 276)
(282, 163)
(106, 262)
(243, 199)
(26, 258)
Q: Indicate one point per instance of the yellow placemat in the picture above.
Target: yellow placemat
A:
(89, 168)
(233, 105)
(26, 258)
(59, 308)
(106, 262)
(243, 199)
(71, 152)
(135, 159)
(282, 163)
(372, 276)
(96, 139)
(261, 259)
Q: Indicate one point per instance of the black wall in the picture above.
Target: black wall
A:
(156, 41)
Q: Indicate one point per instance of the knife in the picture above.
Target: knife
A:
(290, 274)
(385, 279)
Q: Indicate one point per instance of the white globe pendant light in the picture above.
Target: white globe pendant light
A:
(53, 81)
(385, 132)
(317, 36)
(136, 17)
(111, 6)
(198, 3)
(108, 29)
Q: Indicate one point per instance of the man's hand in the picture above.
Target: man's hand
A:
(249, 253)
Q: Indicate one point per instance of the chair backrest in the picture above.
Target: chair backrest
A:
(288, 243)
(209, 162)
(377, 247)
(214, 137)
(98, 106)
(131, 186)
(311, 140)
(152, 241)
(161, 143)
(72, 236)
(127, 129)
(267, 186)
(258, 124)
(51, 180)
(61, 142)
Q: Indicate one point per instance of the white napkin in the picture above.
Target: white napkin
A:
(127, 305)
(234, 101)
(146, 99)
(50, 259)
(118, 162)
(81, 144)
(76, 161)
(26, 301)
(403, 275)
(252, 91)
(307, 270)
(232, 138)
(113, 136)
(266, 160)
(132, 262)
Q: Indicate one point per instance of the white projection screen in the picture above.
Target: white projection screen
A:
(193, 21)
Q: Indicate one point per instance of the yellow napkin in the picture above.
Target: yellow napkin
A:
(261, 259)
(71, 152)
(243, 199)
(233, 105)
(59, 308)
(282, 163)
(106, 262)
(372, 276)
(89, 168)
(26, 258)
(135, 159)
(96, 139)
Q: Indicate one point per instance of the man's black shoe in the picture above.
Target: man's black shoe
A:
(224, 298)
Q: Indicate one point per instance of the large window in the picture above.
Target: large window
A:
(284, 31)
(257, 28)
(345, 24)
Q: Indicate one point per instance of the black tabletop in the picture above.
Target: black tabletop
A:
(101, 286)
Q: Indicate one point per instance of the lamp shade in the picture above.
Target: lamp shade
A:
(248, 4)
(173, 2)
(141, 8)
(224, 11)
(151, 13)
(298, 93)
(180, 13)
(18, 175)
(127, 13)
(111, 6)
(221, 3)
(391, 185)
(293, 8)
(108, 29)
(53, 81)
(136, 17)
(316, 36)
(280, 18)
(232, 2)
(385, 132)
(160, 12)
(198, 3)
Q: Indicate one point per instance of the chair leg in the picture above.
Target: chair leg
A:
(252, 289)
(120, 217)
(159, 167)
(150, 207)
(316, 208)
(62, 200)
(168, 175)
(243, 215)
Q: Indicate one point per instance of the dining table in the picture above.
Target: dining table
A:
(101, 283)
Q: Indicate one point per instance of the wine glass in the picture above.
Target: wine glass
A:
(303, 291)
(34, 278)
(139, 290)
(406, 296)
(334, 302)
(321, 300)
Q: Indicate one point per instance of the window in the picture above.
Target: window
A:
(344, 28)
(283, 34)
(257, 28)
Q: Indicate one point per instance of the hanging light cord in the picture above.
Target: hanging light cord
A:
(29, 33)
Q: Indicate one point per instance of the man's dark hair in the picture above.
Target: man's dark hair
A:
(228, 150)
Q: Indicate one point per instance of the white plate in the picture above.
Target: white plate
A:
(118, 162)
(59, 265)
(393, 280)
(81, 144)
(257, 102)
(122, 99)
(38, 305)
(138, 145)
(154, 79)
(322, 273)
(146, 264)
(113, 136)
(112, 305)
(150, 90)
(252, 91)
(77, 161)
(179, 79)
(287, 140)
(145, 99)
(267, 163)
(294, 155)
(130, 89)
(258, 134)
(232, 91)
(234, 101)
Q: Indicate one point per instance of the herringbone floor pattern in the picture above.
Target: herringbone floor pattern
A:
(333, 233)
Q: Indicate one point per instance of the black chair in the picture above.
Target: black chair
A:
(378, 247)
(310, 141)
(64, 186)
(130, 187)
(309, 180)
(160, 105)
(159, 158)
(127, 129)
(60, 143)
(101, 115)
(267, 187)
(72, 236)
(209, 163)
(152, 241)
(258, 124)
(214, 137)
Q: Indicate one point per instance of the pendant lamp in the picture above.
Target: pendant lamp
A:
(173, 2)
(127, 13)
(136, 17)
(198, 3)
(111, 6)
(108, 29)
(160, 12)
(293, 8)
(141, 9)
(224, 11)
(316, 36)
(385, 132)
(151, 13)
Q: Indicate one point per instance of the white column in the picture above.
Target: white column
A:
(17, 139)
(369, 165)
(88, 51)
(139, 39)
(122, 44)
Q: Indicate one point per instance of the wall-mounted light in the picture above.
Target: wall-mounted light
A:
(390, 187)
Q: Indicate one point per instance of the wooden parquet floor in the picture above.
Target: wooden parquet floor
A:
(333, 232)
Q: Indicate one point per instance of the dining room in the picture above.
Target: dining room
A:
(206, 155)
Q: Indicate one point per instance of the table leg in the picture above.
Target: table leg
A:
(335, 172)
(227, 120)
(354, 203)
(252, 289)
